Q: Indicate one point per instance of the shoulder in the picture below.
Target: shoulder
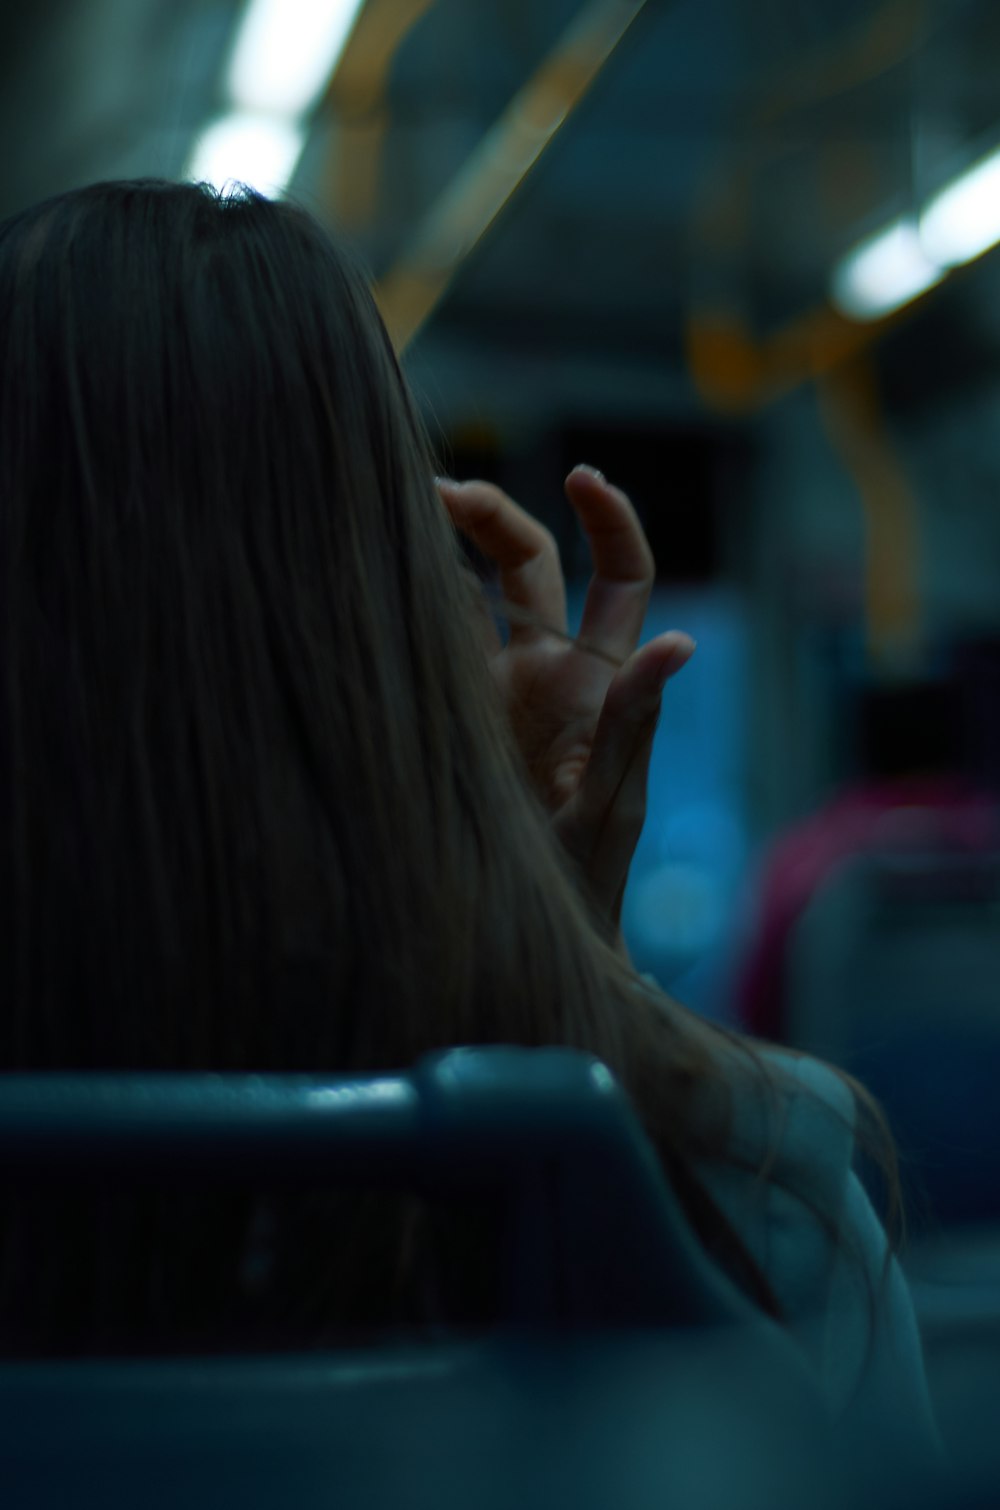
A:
(781, 1115)
(815, 1138)
(783, 1172)
(793, 1118)
(788, 1187)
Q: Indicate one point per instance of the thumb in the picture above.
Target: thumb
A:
(623, 738)
(609, 807)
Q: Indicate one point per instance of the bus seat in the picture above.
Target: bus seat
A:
(627, 1371)
(892, 972)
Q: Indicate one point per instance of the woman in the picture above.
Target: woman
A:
(276, 798)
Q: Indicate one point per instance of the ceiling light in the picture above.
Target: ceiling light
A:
(963, 221)
(252, 149)
(883, 273)
(285, 52)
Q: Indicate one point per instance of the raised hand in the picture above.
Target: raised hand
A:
(583, 712)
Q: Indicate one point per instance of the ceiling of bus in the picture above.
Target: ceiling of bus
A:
(724, 157)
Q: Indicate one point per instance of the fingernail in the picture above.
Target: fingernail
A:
(583, 467)
(677, 658)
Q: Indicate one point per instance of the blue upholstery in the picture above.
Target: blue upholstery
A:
(599, 1238)
(630, 1373)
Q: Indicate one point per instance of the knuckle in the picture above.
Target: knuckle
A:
(485, 493)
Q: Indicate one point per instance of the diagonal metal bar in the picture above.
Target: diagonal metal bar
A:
(457, 222)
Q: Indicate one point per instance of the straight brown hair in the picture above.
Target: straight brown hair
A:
(260, 804)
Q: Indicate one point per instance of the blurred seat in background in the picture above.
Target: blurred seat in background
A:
(893, 972)
(916, 779)
(925, 817)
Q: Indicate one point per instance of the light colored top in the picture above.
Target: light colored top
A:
(821, 1288)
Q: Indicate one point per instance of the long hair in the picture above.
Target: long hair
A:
(260, 807)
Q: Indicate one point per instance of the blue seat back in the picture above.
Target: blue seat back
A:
(630, 1371)
(597, 1236)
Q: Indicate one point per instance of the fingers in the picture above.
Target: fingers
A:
(527, 557)
(523, 550)
(624, 568)
(610, 805)
(627, 722)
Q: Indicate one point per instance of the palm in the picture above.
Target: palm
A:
(553, 695)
